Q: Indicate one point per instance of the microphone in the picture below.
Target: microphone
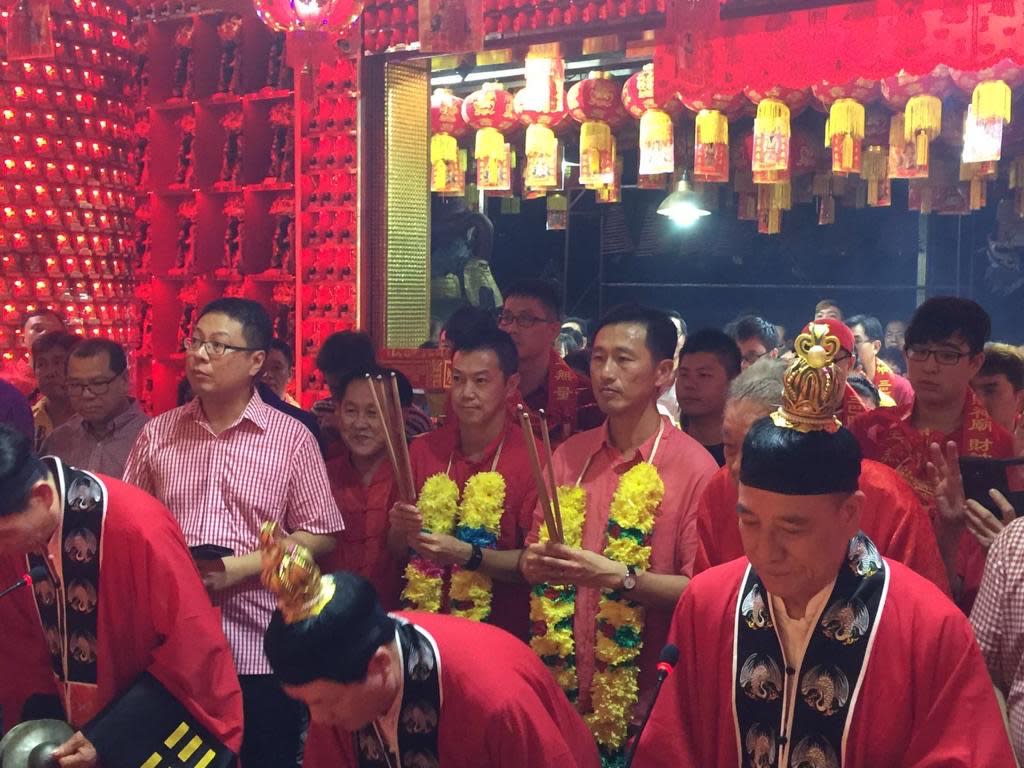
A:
(666, 663)
(38, 573)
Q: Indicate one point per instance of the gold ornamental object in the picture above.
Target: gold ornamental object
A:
(292, 574)
(812, 388)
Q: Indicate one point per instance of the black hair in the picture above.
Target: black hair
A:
(466, 321)
(872, 326)
(55, 340)
(865, 388)
(43, 312)
(579, 361)
(496, 340)
(717, 343)
(661, 336)
(257, 329)
(93, 347)
(1004, 359)
(941, 317)
(751, 327)
(335, 645)
(285, 349)
(895, 359)
(828, 303)
(783, 460)
(345, 351)
(19, 471)
(548, 293)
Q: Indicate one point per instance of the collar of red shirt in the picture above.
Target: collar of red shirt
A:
(449, 433)
(600, 440)
(256, 412)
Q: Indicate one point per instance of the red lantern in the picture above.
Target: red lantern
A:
(595, 104)
(491, 111)
(657, 153)
(309, 15)
(446, 125)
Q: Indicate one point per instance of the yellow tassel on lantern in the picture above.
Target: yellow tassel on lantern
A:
(657, 150)
(712, 127)
(991, 101)
(541, 170)
(597, 161)
(845, 120)
(444, 159)
(923, 121)
(875, 170)
(493, 171)
(711, 147)
(771, 136)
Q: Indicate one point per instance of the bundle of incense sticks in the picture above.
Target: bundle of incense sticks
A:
(389, 406)
(552, 513)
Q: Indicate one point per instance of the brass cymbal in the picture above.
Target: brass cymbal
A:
(30, 744)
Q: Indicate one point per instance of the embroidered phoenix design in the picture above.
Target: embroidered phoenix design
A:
(825, 689)
(761, 678)
(846, 622)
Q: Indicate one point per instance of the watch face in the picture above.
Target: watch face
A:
(629, 581)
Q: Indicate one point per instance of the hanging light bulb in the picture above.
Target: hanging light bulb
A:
(684, 206)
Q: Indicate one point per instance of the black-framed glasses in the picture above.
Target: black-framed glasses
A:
(752, 357)
(213, 348)
(96, 387)
(942, 356)
(523, 321)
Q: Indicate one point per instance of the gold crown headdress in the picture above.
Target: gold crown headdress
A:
(292, 574)
(812, 387)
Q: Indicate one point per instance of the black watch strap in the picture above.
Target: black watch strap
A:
(474, 559)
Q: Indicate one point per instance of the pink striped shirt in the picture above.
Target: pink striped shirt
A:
(222, 488)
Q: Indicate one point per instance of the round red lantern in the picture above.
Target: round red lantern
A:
(657, 153)
(595, 103)
(309, 15)
(491, 111)
(446, 125)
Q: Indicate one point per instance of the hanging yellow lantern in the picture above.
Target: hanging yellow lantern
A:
(771, 137)
(446, 125)
(545, 79)
(711, 147)
(977, 174)
(491, 111)
(844, 134)
(593, 103)
(922, 123)
(991, 101)
(558, 212)
(876, 174)
(541, 171)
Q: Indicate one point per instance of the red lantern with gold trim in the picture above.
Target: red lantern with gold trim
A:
(491, 111)
(657, 154)
(446, 126)
(711, 147)
(595, 104)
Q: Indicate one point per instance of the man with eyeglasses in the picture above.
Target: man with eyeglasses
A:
(923, 441)
(755, 337)
(225, 464)
(531, 316)
(107, 421)
(868, 335)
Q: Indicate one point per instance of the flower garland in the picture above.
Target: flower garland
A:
(479, 522)
(483, 502)
(553, 606)
(620, 621)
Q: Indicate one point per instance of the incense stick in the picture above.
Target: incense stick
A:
(551, 475)
(403, 444)
(386, 421)
(554, 534)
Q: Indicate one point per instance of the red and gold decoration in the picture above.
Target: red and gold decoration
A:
(491, 112)
(332, 16)
(922, 121)
(595, 104)
(844, 134)
(771, 138)
(657, 154)
(711, 147)
(446, 126)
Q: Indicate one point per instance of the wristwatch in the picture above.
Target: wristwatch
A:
(629, 580)
(474, 559)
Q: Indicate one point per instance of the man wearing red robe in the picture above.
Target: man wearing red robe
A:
(869, 336)
(531, 315)
(632, 362)
(945, 350)
(418, 690)
(363, 483)
(892, 515)
(815, 650)
(485, 436)
(121, 598)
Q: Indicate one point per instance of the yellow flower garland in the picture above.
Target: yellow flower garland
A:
(479, 521)
(620, 621)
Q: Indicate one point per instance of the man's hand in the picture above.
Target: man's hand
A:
(76, 752)
(983, 524)
(442, 549)
(406, 521)
(225, 573)
(948, 485)
(552, 563)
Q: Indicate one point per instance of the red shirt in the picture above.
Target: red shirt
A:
(887, 435)
(439, 451)
(362, 546)
(892, 518)
(567, 400)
